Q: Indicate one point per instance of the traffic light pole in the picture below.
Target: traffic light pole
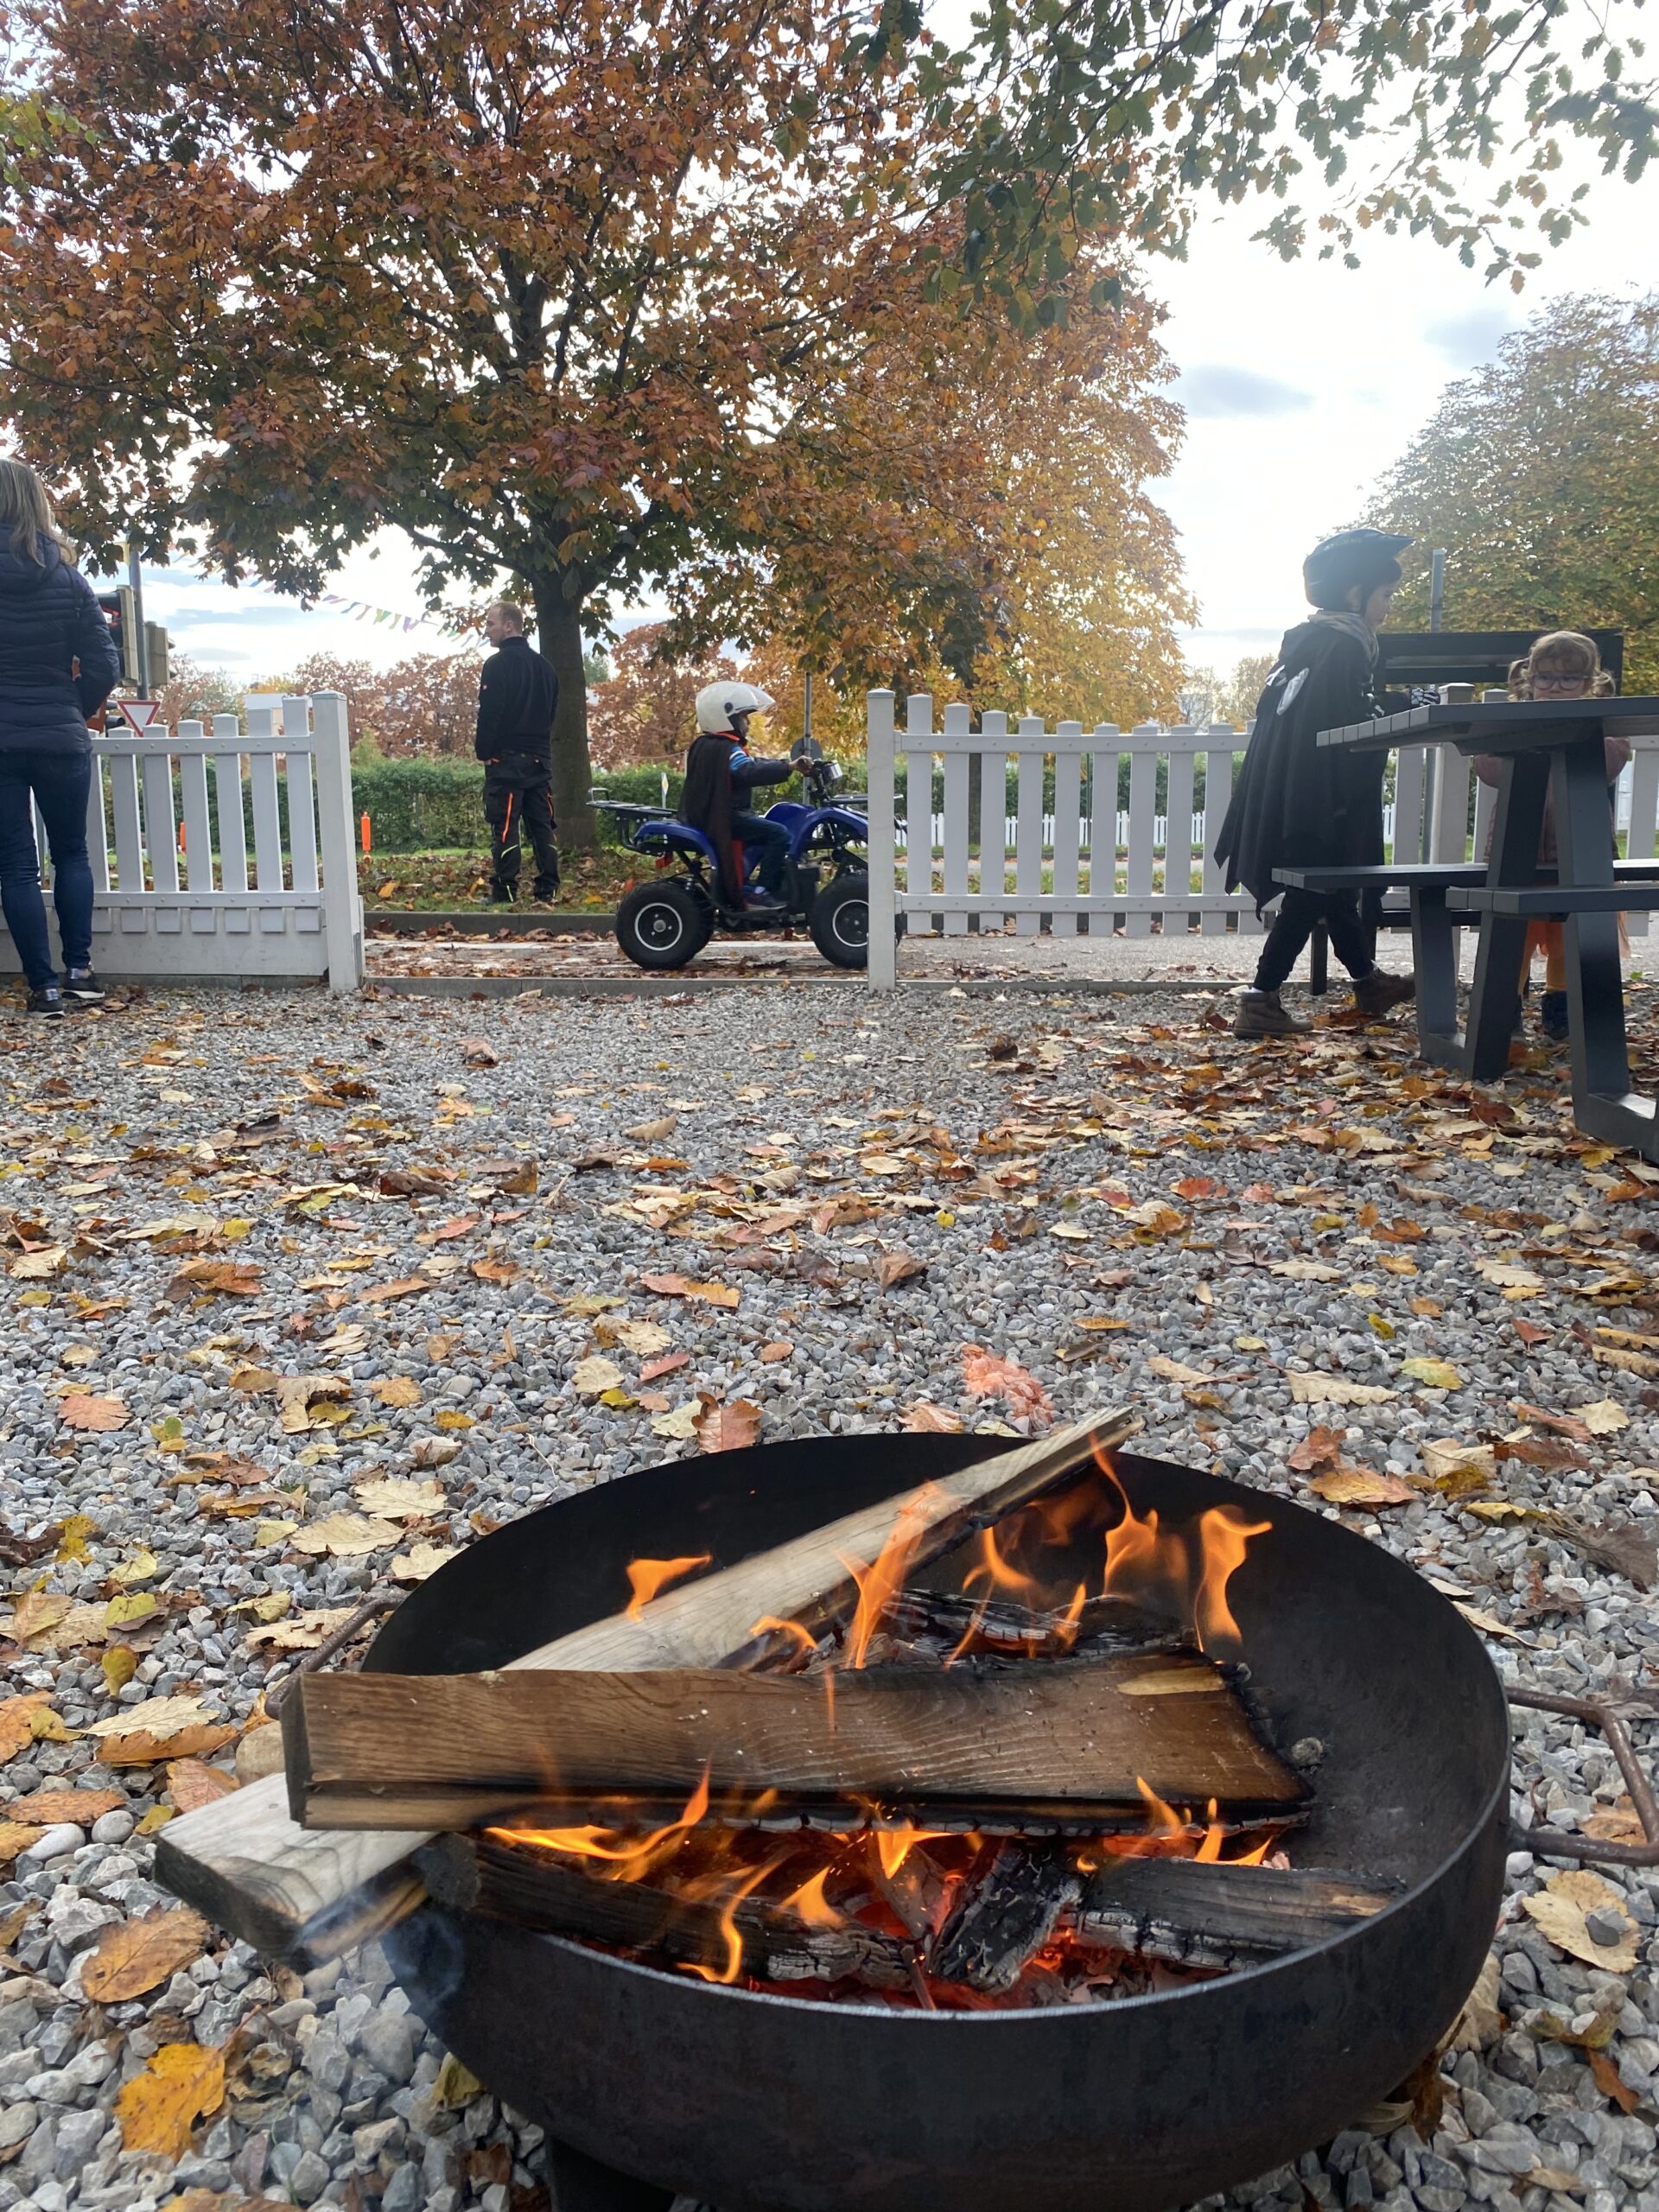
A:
(141, 640)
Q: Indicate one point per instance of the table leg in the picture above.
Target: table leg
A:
(1434, 957)
(1319, 962)
(1517, 824)
(1603, 1103)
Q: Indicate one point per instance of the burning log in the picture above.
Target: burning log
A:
(1082, 1737)
(250, 1868)
(537, 1889)
(925, 1626)
(1222, 1915)
(1005, 1918)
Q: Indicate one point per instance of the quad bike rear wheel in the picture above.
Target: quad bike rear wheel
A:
(663, 925)
(839, 919)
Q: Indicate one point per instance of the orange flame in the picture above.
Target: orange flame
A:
(1224, 1538)
(894, 1846)
(730, 1935)
(809, 1903)
(970, 1631)
(1164, 1817)
(769, 1625)
(1065, 1628)
(880, 1583)
(1209, 1850)
(1255, 1854)
(629, 1859)
(647, 1577)
(996, 1571)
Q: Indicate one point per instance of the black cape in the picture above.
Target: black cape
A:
(705, 803)
(1298, 803)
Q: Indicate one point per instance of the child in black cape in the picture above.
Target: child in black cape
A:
(1299, 804)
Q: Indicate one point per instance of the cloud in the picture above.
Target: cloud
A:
(1467, 340)
(1213, 389)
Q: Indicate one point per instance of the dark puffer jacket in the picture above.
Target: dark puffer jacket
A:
(50, 620)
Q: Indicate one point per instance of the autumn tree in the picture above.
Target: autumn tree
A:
(1540, 476)
(424, 706)
(194, 692)
(645, 714)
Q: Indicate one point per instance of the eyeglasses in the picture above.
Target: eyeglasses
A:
(1544, 679)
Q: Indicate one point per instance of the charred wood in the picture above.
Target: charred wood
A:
(1223, 1916)
(1006, 1916)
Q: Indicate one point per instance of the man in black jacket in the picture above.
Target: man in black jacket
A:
(518, 693)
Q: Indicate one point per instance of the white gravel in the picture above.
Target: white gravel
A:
(213, 1111)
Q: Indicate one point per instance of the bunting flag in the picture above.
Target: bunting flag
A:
(453, 625)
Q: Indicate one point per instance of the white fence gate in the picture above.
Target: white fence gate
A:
(1148, 867)
(174, 897)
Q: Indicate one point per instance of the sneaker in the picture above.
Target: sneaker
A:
(1262, 1014)
(49, 1001)
(1376, 994)
(762, 902)
(1552, 1015)
(81, 985)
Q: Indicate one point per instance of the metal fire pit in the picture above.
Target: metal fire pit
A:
(760, 2103)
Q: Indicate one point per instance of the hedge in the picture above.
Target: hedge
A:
(427, 805)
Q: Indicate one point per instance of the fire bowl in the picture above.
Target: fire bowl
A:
(762, 2103)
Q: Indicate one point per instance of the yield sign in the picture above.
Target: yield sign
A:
(139, 713)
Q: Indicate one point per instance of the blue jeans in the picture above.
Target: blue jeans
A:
(766, 848)
(60, 782)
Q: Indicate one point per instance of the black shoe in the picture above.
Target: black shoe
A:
(763, 902)
(1262, 1014)
(82, 986)
(503, 894)
(1552, 1015)
(49, 1001)
(546, 895)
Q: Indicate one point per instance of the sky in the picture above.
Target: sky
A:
(1301, 383)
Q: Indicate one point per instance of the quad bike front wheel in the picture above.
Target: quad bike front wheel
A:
(840, 921)
(662, 924)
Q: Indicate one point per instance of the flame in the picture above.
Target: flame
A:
(1255, 1854)
(629, 1858)
(1224, 1538)
(996, 1571)
(970, 1631)
(1065, 1628)
(769, 1625)
(730, 1935)
(894, 1846)
(880, 1583)
(1209, 1850)
(648, 1576)
(811, 1902)
(1165, 1819)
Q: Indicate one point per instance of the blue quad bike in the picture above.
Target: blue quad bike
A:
(826, 882)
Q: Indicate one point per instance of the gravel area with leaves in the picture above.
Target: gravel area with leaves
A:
(300, 1296)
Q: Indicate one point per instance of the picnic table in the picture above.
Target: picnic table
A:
(1546, 746)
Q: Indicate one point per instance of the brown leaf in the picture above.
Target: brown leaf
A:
(1361, 1487)
(496, 1270)
(141, 1748)
(1562, 1424)
(926, 1419)
(729, 1428)
(82, 1807)
(516, 1179)
(476, 1052)
(1530, 1334)
(709, 1294)
(413, 1182)
(215, 1279)
(1320, 1447)
(191, 1783)
(16, 1836)
(405, 1287)
(666, 1365)
(894, 1267)
(1627, 1550)
(396, 1390)
(77, 1410)
(1561, 1907)
(770, 1354)
(989, 1375)
(158, 2108)
(136, 1955)
(17, 1720)
(1608, 2081)
(227, 1467)
(652, 1132)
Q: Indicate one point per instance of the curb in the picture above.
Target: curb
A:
(682, 987)
(475, 921)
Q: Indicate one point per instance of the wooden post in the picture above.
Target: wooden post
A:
(883, 847)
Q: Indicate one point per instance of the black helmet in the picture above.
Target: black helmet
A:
(1361, 557)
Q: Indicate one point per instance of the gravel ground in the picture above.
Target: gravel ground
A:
(1248, 1216)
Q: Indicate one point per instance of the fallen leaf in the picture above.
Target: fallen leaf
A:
(304, 1632)
(193, 1782)
(1616, 1823)
(138, 1569)
(17, 1719)
(456, 2084)
(1172, 1370)
(989, 1375)
(652, 1132)
(729, 1428)
(127, 1612)
(158, 2108)
(770, 1354)
(1320, 1447)
(926, 1419)
(1306, 1270)
(1449, 1456)
(589, 1377)
(394, 1498)
(643, 1338)
(681, 1423)
(476, 1052)
(894, 1267)
(711, 1293)
(1562, 1424)
(435, 1451)
(16, 1836)
(120, 1664)
(344, 1536)
(1530, 1334)
(50, 1807)
(396, 1390)
(1559, 1909)
(666, 1365)
(215, 1279)
(1312, 1389)
(1604, 1418)
(78, 1410)
(1505, 1275)
(1486, 1622)
(496, 1270)
(1608, 2080)
(136, 1955)
(1432, 1374)
(421, 1559)
(1626, 1550)
(404, 1287)
(37, 1613)
(1361, 1487)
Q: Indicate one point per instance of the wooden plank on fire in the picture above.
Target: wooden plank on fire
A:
(537, 1889)
(430, 1751)
(253, 1870)
(1006, 1918)
(1223, 1915)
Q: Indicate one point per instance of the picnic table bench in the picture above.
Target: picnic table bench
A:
(1545, 746)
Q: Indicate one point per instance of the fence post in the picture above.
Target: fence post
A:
(882, 845)
(342, 907)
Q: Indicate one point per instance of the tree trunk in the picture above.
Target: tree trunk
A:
(558, 622)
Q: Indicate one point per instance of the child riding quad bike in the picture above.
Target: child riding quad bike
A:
(737, 871)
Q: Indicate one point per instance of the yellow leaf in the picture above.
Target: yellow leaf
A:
(1501, 1509)
(1604, 1418)
(1559, 1909)
(1432, 1374)
(138, 1569)
(37, 1613)
(589, 1377)
(266, 1533)
(345, 1535)
(72, 1544)
(420, 1561)
(682, 1423)
(136, 1955)
(120, 1664)
(398, 1391)
(447, 1417)
(17, 1721)
(394, 1498)
(456, 2084)
(1447, 1455)
(156, 1817)
(126, 1612)
(1361, 1487)
(158, 2108)
(1306, 1270)
(1335, 1390)
(1172, 1370)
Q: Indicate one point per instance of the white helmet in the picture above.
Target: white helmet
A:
(718, 702)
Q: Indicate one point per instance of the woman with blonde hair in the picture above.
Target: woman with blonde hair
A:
(58, 665)
(1561, 664)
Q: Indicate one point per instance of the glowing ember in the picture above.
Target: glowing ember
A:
(647, 1577)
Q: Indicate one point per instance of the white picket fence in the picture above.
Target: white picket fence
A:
(289, 912)
(1044, 871)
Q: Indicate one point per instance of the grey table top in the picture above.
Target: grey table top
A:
(1504, 726)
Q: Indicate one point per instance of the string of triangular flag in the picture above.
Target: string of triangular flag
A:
(455, 625)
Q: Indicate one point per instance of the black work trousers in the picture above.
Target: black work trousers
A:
(1339, 910)
(517, 798)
